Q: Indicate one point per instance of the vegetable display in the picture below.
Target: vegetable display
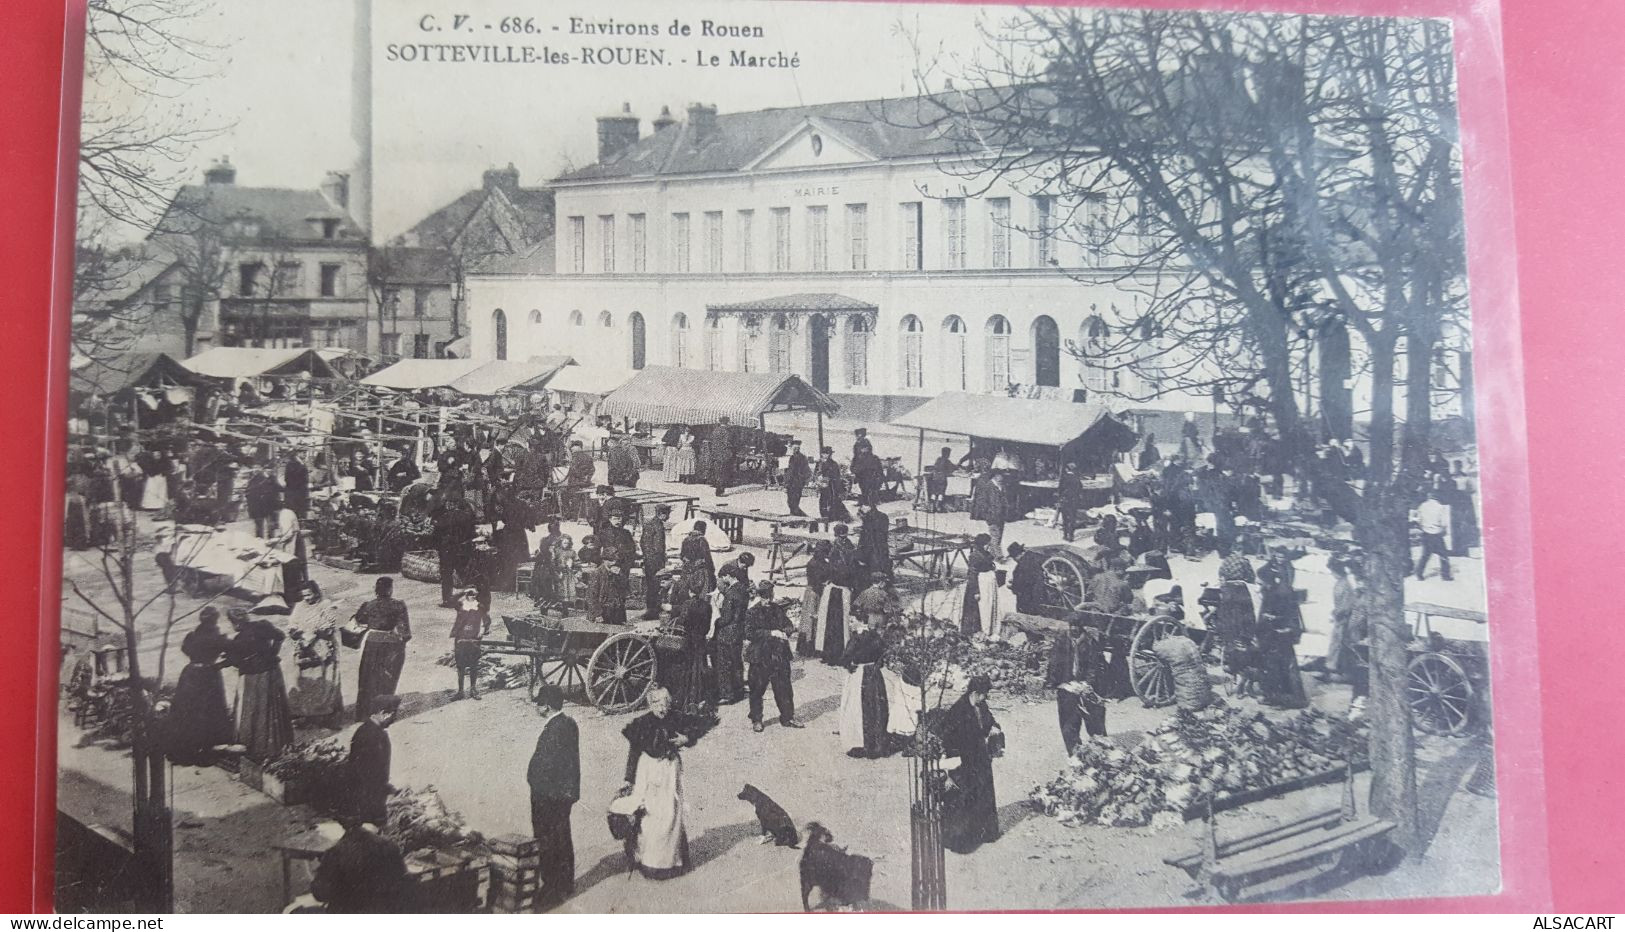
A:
(493, 672)
(418, 820)
(1217, 752)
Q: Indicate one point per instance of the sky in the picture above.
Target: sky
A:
(280, 77)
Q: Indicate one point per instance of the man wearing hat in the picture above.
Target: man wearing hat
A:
(467, 628)
(828, 474)
(1077, 666)
(453, 535)
(618, 552)
(797, 472)
(1069, 499)
(867, 469)
(768, 629)
(595, 510)
(1027, 579)
(555, 786)
(652, 543)
(368, 765)
(722, 456)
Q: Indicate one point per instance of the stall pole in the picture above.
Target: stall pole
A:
(919, 469)
(820, 430)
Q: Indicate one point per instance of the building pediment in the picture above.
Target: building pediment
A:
(812, 144)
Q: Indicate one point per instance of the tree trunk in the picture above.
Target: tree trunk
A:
(1382, 532)
(1336, 399)
(1381, 462)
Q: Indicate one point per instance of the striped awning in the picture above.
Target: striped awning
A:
(666, 395)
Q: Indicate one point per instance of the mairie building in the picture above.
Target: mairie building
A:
(835, 241)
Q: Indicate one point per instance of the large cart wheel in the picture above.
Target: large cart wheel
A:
(1440, 694)
(620, 672)
(1153, 678)
(1064, 576)
(565, 672)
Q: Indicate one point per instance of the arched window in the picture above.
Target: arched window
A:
(778, 350)
(575, 340)
(1046, 351)
(576, 320)
(639, 338)
(998, 353)
(535, 318)
(679, 339)
(532, 337)
(858, 333)
(605, 320)
(499, 333)
(913, 352)
(713, 344)
(750, 344)
(954, 377)
(1095, 377)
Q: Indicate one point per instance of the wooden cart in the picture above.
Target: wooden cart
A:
(1129, 637)
(610, 666)
(1447, 678)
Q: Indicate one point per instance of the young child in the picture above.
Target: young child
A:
(565, 567)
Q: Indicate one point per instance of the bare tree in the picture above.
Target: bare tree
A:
(1291, 181)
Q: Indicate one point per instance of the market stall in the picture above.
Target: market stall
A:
(583, 388)
(701, 398)
(151, 388)
(418, 374)
(1031, 437)
(510, 375)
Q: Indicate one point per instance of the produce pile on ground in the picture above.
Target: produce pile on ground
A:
(1015, 669)
(494, 672)
(418, 820)
(314, 763)
(1219, 752)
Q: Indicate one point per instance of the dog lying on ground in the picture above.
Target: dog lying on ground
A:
(841, 879)
(775, 822)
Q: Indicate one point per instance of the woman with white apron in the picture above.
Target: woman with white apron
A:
(654, 787)
(877, 707)
(980, 610)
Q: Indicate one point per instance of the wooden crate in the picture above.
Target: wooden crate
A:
(448, 884)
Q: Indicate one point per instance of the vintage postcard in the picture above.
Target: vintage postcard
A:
(771, 456)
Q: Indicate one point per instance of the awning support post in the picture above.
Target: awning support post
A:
(820, 430)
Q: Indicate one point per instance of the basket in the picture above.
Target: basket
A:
(352, 637)
(421, 565)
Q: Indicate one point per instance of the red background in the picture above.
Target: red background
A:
(1566, 109)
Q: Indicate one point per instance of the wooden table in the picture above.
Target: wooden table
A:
(305, 846)
(649, 498)
(732, 520)
(931, 552)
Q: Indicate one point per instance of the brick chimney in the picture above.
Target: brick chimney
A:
(617, 133)
(221, 172)
(662, 121)
(702, 119)
(505, 178)
(336, 188)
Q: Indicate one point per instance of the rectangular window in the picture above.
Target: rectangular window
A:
(747, 245)
(162, 297)
(420, 346)
(750, 345)
(389, 344)
(912, 221)
(392, 302)
(606, 241)
(778, 349)
(713, 241)
(953, 232)
(330, 279)
(330, 228)
(248, 279)
(640, 242)
(781, 239)
(818, 238)
(679, 242)
(713, 346)
(857, 235)
(1095, 231)
(998, 235)
(1044, 229)
(578, 244)
(420, 302)
(290, 279)
(857, 356)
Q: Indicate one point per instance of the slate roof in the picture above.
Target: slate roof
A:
(537, 260)
(797, 302)
(885, 128)
(282, 213)
(532, 206)
(413, 265)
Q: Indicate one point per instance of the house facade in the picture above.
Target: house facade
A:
(829, 241)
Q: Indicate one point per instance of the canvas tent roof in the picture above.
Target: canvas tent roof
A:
(666, 395)
(241, 362)
(1017, 420)
(135, 370)
(421, 373)
(500, 375)
(589, 380)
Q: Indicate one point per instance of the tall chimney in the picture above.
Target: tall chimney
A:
(702, 119)
(221, 172)
(617, 133)
(361, 175)
(662, 121)
(505, 178)
(336, 188)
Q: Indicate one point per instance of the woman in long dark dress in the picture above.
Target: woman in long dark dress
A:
(818, 576)
(692, 611)
(1280, 626)
(264, 720)
(654, 779)
(383, 655)
(199, 719)
(876, 708)
(976, 612)
(966, 730)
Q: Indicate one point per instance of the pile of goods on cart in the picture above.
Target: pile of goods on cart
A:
(1218, 752)
(948, 658)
